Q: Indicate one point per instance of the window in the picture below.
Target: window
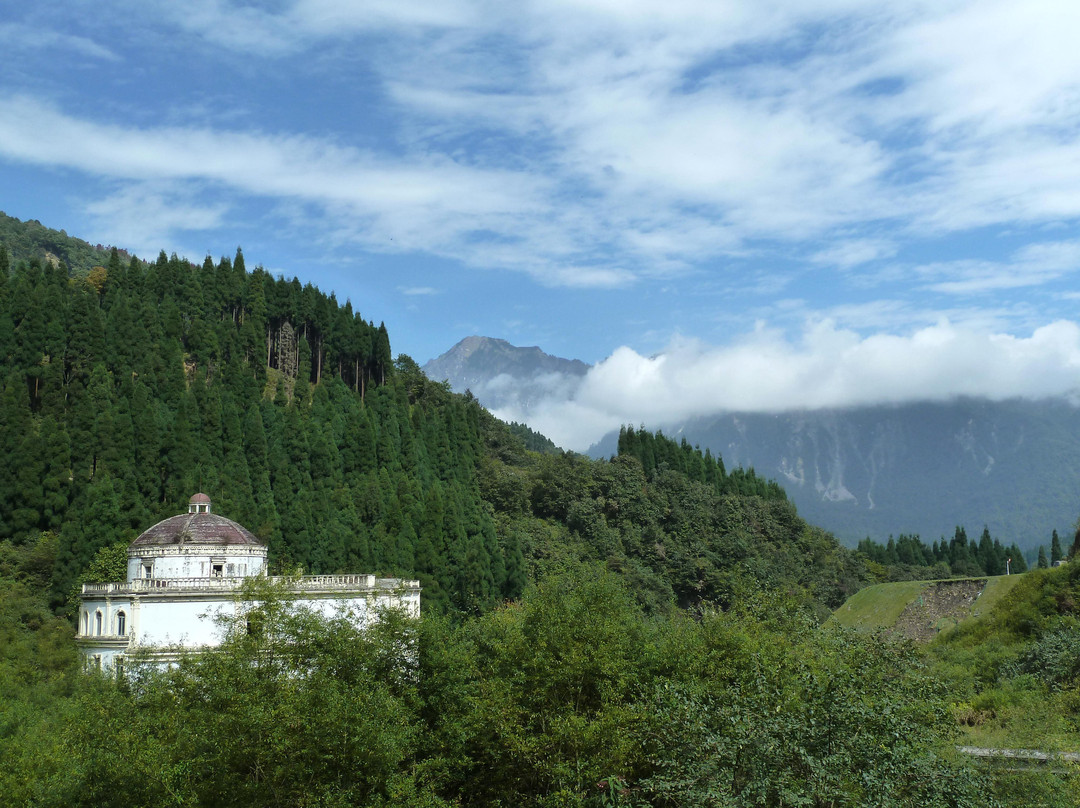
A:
(85, 623)
(121, 623)
(97, 623)
(216, 570)
(148, 570)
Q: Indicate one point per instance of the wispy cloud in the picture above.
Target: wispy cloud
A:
(933, 117)
(137, 215)
(848, 253)
(415, 291)
(17, 37)
(431, 203)
(294, 26)
(595, 144)
(1032, 265)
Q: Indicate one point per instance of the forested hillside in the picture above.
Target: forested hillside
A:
(131, 386)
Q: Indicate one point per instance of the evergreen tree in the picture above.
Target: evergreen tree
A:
(56, 480)
(14, 425)
(1056, 554)
(1042, 563)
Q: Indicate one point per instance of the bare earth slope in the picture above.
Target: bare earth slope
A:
(920, 610)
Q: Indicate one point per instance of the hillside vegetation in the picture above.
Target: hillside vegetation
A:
(128, 389)
(643, 630)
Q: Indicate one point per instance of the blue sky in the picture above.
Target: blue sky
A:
(728, 204)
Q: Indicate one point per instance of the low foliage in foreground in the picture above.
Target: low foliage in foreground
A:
(570, 697)
(1015, 677)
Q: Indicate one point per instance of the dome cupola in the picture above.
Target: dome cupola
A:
(196, 544)
(200, 503)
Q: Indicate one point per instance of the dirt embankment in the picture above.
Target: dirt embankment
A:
(941, 605)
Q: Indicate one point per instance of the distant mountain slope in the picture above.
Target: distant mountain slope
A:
(922, 468)
(500, 374)
(26, 241)
(913, 468)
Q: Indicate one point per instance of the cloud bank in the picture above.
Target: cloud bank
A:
(826, 367)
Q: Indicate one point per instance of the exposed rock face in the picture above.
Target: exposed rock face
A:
(941, 605)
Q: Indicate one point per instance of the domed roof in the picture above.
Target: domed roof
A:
(201, 527)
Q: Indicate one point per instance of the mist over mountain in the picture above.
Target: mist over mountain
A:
(874, 470)
(502, 375)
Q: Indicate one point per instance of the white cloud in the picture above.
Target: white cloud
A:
(422, 203)
(418, 290)
(20, 37)
(827, 367)
(291, 166)
(294, 26)
(143, 216)
(848, 253)
(1032, 265)
(783, 145)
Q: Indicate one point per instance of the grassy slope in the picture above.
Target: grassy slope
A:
(996, 588)
(878, 606)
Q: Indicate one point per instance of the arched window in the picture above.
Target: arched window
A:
(85, 623)
(121, 623)
(97, 623)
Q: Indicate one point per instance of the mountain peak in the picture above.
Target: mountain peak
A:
(501, 374)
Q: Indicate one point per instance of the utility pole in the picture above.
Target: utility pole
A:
(1008, 561)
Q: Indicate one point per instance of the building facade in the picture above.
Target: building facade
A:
(187, 571)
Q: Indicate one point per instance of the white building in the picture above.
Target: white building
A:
(188, 570)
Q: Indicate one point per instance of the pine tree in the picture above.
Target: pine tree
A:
(1056, 554)
(55, 483)
(15, 423)
(1042, 563)
(266, 522)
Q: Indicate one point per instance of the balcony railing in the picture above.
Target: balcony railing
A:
(305, 583)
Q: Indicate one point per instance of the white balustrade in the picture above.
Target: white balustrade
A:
(303, 583)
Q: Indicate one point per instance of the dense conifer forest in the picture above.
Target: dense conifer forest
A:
(910, 558)
(643, 630)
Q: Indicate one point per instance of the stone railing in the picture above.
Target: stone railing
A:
(305, 583)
